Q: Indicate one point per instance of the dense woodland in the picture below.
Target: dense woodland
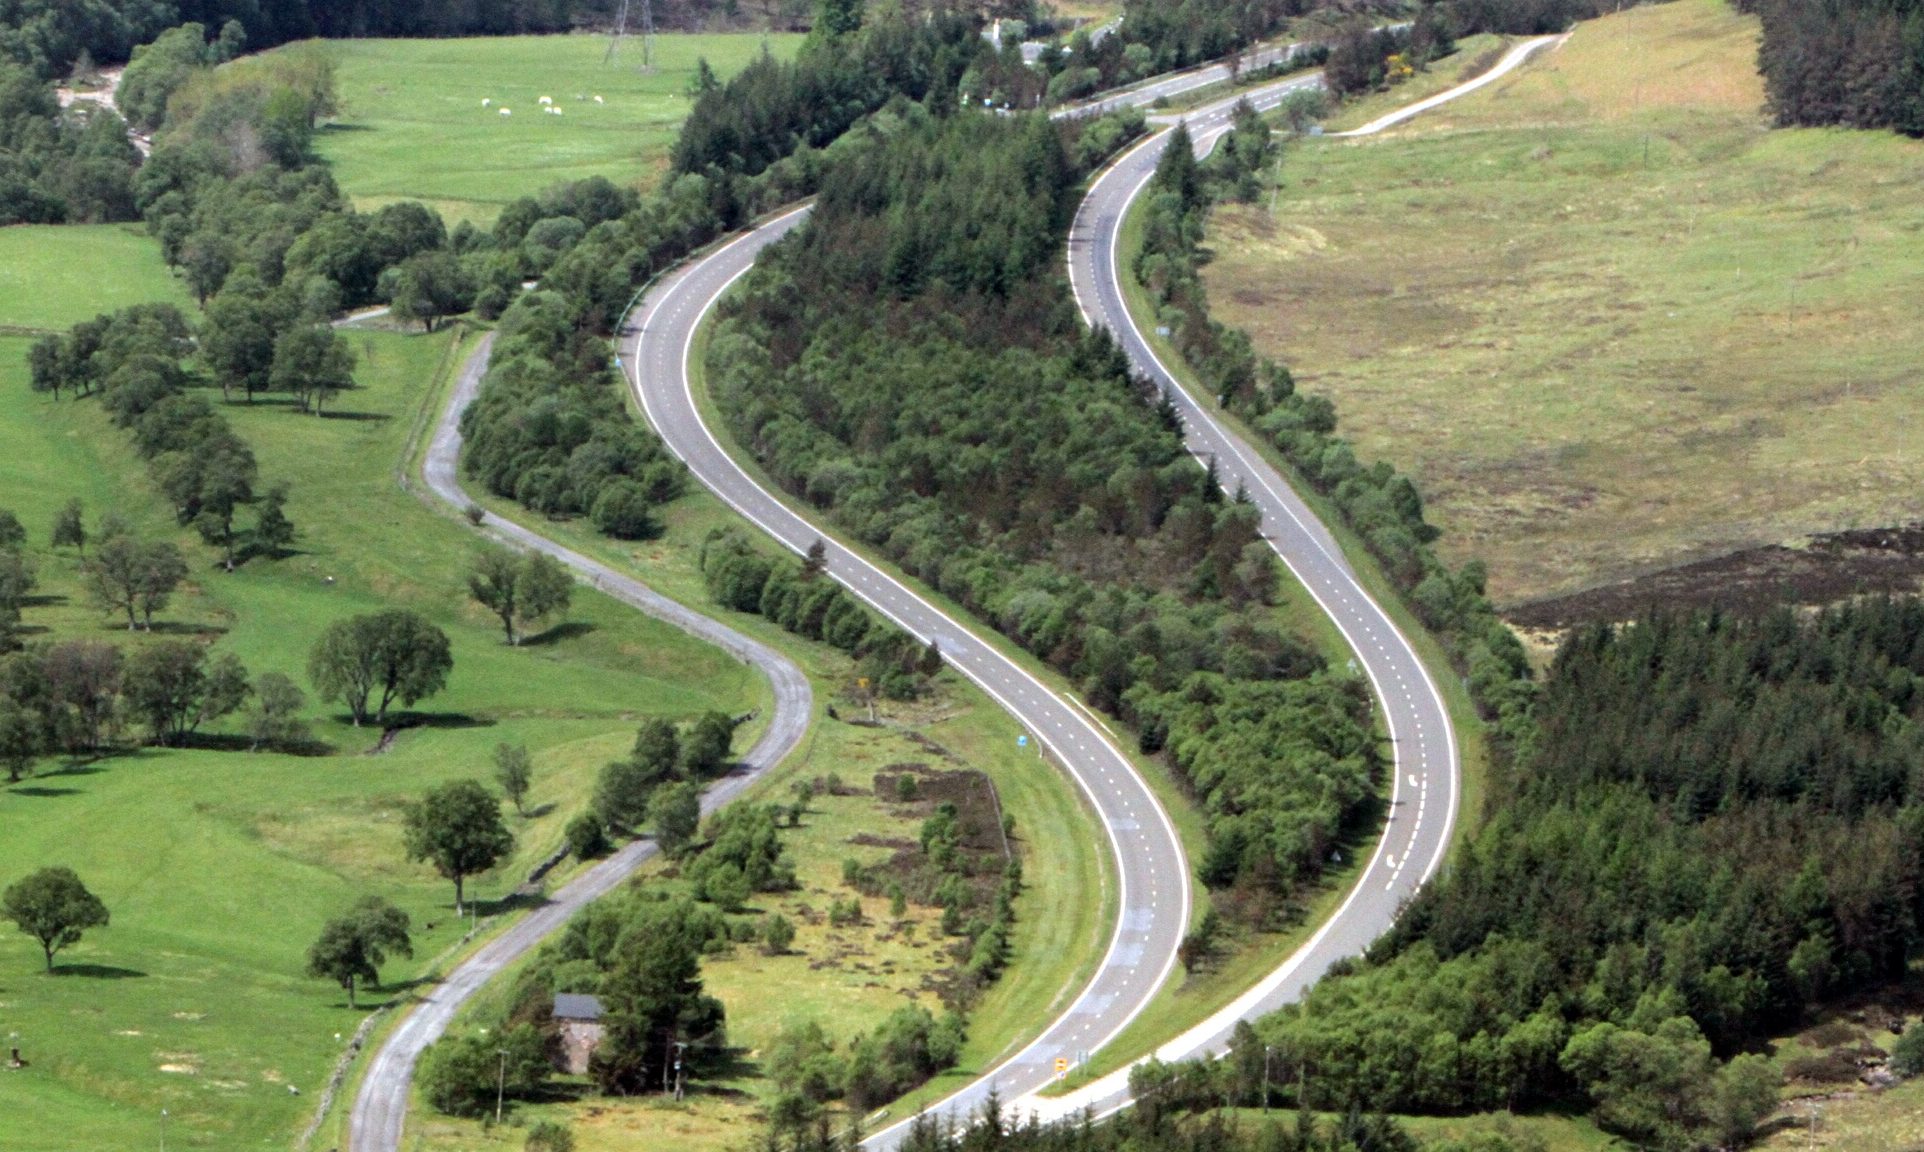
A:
(72, 166)
(1857, 63)
(1721, 824)
(911, 364)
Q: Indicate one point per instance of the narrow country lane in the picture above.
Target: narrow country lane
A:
(380, 1109)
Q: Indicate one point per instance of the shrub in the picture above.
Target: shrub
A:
(587, 838)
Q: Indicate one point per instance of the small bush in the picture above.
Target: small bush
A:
(586, 837)
(1907, 1055)
(777, 935)
(549, 1136)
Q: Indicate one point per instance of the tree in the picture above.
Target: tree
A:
(777, 935)
(237, 338)
(16, 582)
(312, 363)
(586, 837)
(652, 996)
(224, 482)
(520, 589)
(53, 907)
(170, 686)
(19, 739)
(83, 687)
(13, 536)
(674, 812)
(457, 828)
(460, 1076)
(353, 947)
(395, 652)
(514, 769)
(126, 574)
(69, 529)
(274, 720)
(705, 750)
(273, 531)
(431, 285)
(1745, 1094)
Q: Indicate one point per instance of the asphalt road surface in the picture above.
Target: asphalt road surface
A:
(380, 1110)
(1425, 780)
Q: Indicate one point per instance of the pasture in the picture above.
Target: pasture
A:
(1608, 319)
(413, 125)
(219, 866)
(54, 275)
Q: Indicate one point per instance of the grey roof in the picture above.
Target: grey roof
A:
(569, 1006)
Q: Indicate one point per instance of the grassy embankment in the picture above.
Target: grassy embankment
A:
(412, 126)
(219, 866)
(1607, 318)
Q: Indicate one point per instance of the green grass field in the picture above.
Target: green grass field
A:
(52, 276)
(1606, 317)
(412, 126)
(218, 867)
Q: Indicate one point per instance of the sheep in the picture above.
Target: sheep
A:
(546, 100)
(599, 100)
(556, 111)
(486, 101)
(507, 112)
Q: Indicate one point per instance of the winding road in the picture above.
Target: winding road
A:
(658, 347)
(1154, 899)
(380, 1110)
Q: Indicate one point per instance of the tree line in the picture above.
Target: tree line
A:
(910, 363)
(1854, 63)
(52, 36)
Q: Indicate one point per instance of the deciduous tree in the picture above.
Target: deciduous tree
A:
(274, 719)
(519, 588)
(312, 363)
(53, 907)
(395, 654)
(514, 771)
(457, 828)
(69, 527)
(352, 948)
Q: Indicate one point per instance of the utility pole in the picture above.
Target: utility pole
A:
(680, 1048)
(621, 26)
(163, 1130)
(1267, 1052)
(500, 1084)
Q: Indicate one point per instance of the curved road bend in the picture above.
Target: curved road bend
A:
(380, 1110)
(1154, 877)
(1425, 783)
(659, 344)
